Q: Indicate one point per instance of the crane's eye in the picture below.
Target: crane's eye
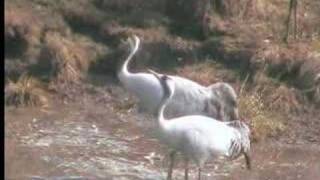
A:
(164, 77)
(233, 102)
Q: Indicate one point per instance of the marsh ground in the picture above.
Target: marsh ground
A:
(97, 137)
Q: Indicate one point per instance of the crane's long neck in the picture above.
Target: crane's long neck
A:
(124, 72)
(167, 95)
(160, 113)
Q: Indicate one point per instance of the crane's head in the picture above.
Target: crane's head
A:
(227, 99)
(134, 42)
(166, 82)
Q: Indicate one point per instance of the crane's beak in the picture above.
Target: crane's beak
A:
(136, 38)
(157, 75)
(130, 42)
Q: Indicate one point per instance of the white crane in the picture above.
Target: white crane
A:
(197, 137)
(218, 100)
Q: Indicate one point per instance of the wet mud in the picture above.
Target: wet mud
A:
(101, 137)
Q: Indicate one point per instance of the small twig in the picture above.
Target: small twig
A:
(244, 84)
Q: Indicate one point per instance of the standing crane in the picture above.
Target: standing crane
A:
(198, 138)
(218, 100)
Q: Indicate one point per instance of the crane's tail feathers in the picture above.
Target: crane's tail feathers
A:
(240, 125)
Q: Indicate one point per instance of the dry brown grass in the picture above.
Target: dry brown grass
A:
(27, 91)
(265, 119)
(129, 5)
(262, 18)
(84, 17)
(206, 72)
(276, 95)
(69, 60)
(315, 45)
(294, 65)
(297, 65)
(83, 13)
(268, 17)
(22, 29)
(264, 122)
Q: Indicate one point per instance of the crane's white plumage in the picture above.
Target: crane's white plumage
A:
(199, 137)
(143, 85)
(217, 100)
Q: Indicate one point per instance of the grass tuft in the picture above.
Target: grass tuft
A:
(69, 61)
(26, 91)
(264, 122)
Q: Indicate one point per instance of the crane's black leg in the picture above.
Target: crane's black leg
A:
(186, 170)
(199, 173)
(171, 163)
(248, 160)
